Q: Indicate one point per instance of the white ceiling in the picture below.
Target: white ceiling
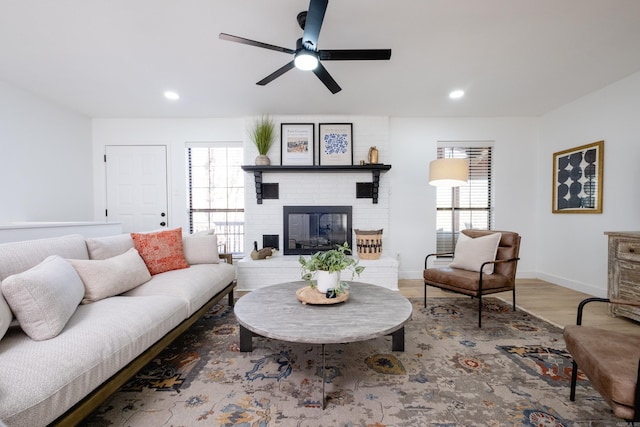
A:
(114, 58)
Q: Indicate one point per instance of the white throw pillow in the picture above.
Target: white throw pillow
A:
(44, 298)
(201, 249)
(471, 253)
(6, 316)
(113, 276)
(109, 246)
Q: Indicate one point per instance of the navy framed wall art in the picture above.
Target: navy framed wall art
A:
(577, 179)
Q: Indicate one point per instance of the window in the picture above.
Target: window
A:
(216, 192)
(468, 206)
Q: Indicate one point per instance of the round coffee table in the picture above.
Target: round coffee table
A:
(370, 312)
(275, 312)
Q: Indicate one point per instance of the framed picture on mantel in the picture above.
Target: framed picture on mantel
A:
(297, 145)
(336, 144)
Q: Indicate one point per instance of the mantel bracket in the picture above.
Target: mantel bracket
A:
(375, 176)
(257, 176)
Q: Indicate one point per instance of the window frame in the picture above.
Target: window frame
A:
(468, 199)
(221, 229)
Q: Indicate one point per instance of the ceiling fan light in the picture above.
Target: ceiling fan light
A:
(306, 60)
(456, 94)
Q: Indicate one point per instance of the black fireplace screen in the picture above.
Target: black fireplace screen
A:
(309, 229)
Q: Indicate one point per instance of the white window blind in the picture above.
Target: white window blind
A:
(216, 192)
(467, 206)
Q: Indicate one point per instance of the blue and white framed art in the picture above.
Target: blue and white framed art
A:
(577, 179)
(336, 144)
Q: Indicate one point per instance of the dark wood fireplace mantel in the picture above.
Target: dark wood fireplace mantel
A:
(375, 169)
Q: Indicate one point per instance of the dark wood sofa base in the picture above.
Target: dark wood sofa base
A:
(85, 407)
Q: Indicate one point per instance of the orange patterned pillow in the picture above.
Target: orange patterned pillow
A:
(161, 251)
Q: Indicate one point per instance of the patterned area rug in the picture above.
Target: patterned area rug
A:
(514, 371)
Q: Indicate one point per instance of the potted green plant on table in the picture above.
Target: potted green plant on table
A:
(263, 135)
(326, 266)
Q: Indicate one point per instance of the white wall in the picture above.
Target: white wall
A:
(572, 249)
(406, 209)
(413, 143)
(172, 133)
(45, 160)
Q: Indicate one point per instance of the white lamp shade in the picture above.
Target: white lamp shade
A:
(449, 172)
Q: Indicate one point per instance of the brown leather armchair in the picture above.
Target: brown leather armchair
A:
(611, 361)
(477, 284)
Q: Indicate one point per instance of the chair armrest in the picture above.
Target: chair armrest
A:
(439, 254)
(228, 258)
(499, 261)
(584, 302)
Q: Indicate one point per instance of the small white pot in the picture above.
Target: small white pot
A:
(326, 280)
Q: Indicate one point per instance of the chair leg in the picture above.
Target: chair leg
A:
(514, 298)
(636, 409)
(574, 378)
(425, 294)
(479, 311)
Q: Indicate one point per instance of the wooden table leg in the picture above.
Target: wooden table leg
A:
(397, 340)
(324, 379)
(246, 344)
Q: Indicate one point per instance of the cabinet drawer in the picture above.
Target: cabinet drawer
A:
(628, 250)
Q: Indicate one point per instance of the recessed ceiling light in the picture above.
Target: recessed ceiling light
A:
(456, 94)
(171, 95)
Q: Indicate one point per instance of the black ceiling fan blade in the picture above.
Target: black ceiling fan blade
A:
(250, 42)
(315, 16)
(326, 78)
(280, 71)
(354, 54)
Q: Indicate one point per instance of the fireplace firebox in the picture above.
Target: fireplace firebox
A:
(309, 229)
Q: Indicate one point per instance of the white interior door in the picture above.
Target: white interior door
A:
(136, 177)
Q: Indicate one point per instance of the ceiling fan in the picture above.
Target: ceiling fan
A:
(307, 56)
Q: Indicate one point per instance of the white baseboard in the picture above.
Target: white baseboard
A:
(576, 286)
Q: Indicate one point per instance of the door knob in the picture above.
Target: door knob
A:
(162, 224)
(163, 214)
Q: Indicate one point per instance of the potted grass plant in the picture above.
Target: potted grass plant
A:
(263, 135)
(326, 267)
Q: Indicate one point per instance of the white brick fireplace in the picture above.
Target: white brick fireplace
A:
(312, 189)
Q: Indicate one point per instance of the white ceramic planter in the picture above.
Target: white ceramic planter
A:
(263, 160)
(326, 280)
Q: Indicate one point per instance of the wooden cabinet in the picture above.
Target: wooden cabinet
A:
(624, 271)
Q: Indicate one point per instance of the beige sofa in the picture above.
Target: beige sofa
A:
(60, 379)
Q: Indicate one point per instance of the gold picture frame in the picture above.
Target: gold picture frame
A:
(577, 179)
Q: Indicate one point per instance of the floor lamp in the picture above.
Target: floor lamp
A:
(449, 172)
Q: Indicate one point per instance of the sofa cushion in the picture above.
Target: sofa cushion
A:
(204, 281)
(112, 276)
(98, 341)
(201, 249)
(16, 257)
(44, 297)
(161, 251)
(470, 252)
(6, 316)
(109, 246)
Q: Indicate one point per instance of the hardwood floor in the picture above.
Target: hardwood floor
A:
(553, 303)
